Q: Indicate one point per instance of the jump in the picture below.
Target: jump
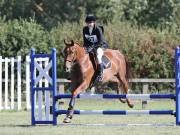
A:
(77, 62)
(49, 72)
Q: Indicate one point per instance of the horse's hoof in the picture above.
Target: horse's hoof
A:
(67, 120)
(122, 100)
(131, 105)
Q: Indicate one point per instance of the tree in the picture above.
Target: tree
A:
(15, 9)
(51, 12)
(152, 13)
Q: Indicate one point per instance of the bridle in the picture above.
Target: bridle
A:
(73, 59)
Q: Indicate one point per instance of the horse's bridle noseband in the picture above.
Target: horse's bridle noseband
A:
(73, 59)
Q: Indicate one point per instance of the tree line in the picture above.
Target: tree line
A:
(146, 31)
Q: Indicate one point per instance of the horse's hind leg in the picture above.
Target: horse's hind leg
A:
(125, 87)
(119, 91)
(117, 83)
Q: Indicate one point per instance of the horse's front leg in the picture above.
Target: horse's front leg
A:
(70, 110)
(83, 86)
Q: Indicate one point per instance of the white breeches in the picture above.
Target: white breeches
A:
(100, 53)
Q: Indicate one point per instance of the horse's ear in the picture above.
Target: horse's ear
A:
(69, 43)
(72, 42)
(65, 42)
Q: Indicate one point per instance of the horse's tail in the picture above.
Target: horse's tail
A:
(128, 71)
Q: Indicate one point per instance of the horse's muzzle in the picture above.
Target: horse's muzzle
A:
(68, 70)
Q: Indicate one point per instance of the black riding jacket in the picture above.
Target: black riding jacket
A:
(96, 38)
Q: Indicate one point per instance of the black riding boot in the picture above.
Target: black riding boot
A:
(100, 72)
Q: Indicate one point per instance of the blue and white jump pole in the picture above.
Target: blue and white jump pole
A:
(55, 96)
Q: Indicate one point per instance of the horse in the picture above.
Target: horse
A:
(77, 62)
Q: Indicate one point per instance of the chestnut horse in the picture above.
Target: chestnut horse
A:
(77, 62)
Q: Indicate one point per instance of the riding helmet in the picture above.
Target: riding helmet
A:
(90, 18)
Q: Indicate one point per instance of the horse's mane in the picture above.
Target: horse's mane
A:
(78, 43)
(76, 68)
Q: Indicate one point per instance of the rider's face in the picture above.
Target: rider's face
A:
(90, 24)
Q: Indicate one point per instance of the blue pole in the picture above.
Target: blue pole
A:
(113, 96)
(177, 75)
(54, 78)
(32, 87)
(119, 112)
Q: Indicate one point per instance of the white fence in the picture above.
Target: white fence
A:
(13, 87)
(8, 83)
(11, 83)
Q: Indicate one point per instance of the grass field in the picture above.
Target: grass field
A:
(19, 123)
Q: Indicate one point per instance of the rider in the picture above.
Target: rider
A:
(94, 41)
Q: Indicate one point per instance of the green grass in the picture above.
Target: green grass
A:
(19, 123)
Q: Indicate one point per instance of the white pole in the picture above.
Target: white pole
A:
(35, 94)
(12, 83)
(19, 82)
(28, 106)
(40, 99)
(0, 82)
(47, 96)
(6, 83)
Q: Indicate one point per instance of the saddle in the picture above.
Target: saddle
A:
(106, 64)
(105, 61)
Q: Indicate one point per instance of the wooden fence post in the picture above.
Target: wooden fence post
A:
(61, 91)
(145, 91)
(61, 88)
(93, 90)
